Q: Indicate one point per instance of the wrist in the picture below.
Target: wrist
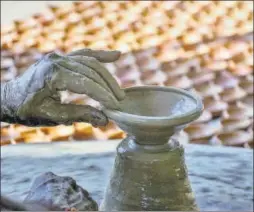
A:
(8, 113)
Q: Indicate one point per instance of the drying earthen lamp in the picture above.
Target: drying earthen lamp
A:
(149, 171)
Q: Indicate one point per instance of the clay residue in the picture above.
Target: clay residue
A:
(59, 193)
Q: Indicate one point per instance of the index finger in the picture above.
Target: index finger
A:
(103, 72)
(100, 55)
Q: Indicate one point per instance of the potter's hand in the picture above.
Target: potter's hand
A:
(33, 99)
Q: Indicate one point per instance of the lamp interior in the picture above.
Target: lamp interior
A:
(157, 103)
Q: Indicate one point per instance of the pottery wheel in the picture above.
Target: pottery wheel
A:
(221, 177)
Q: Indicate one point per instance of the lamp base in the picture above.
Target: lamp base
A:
(149, 178)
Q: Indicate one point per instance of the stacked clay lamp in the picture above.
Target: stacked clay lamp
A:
(202, 46)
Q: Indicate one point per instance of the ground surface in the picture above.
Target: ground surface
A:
(222, 178)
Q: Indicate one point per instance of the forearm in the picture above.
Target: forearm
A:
(8, 111)
(7, 114)
(10, 95)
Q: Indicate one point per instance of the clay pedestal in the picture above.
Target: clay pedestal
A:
(149, 171)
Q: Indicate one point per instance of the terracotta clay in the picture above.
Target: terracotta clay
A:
(130, 83)
(202, 131)
(208, 89)
(236, 47)
(173, 69)
(230, 125)
(153, 76)
(199, 77)
(215, 105)
(82, 131)
(179, 82)
(141, 54)
(220, 53)
(232, 94)
(6, 138)
(225, 79)
(238, 111)
(130, 72)
(179, 67)
(215, 66)
(236, 138)
(61, 133)
(148, 63)
(149, 171)
(205, 117)
(247, 84)
(125, 59)
(248, 100)
(240, 69)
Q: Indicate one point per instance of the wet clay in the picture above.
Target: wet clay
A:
(33, 98)
(149, 173)
(50, 192)
(150, 178)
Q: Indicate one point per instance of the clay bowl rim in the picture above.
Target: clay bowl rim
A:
(163, 121)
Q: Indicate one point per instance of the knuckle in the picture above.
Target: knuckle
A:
(52, 56)
(88, 50)
(92, 59)
(49, 55)
(53, 67)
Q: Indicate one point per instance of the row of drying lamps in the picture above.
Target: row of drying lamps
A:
(97, 25)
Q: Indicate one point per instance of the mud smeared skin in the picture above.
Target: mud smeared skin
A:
(33, 98)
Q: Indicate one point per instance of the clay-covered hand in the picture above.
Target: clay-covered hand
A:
(33, 98)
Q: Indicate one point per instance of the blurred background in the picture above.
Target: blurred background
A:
(202, 46)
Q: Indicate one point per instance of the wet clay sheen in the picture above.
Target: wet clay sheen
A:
(33, 98)
(149, 178)
(149, 173)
